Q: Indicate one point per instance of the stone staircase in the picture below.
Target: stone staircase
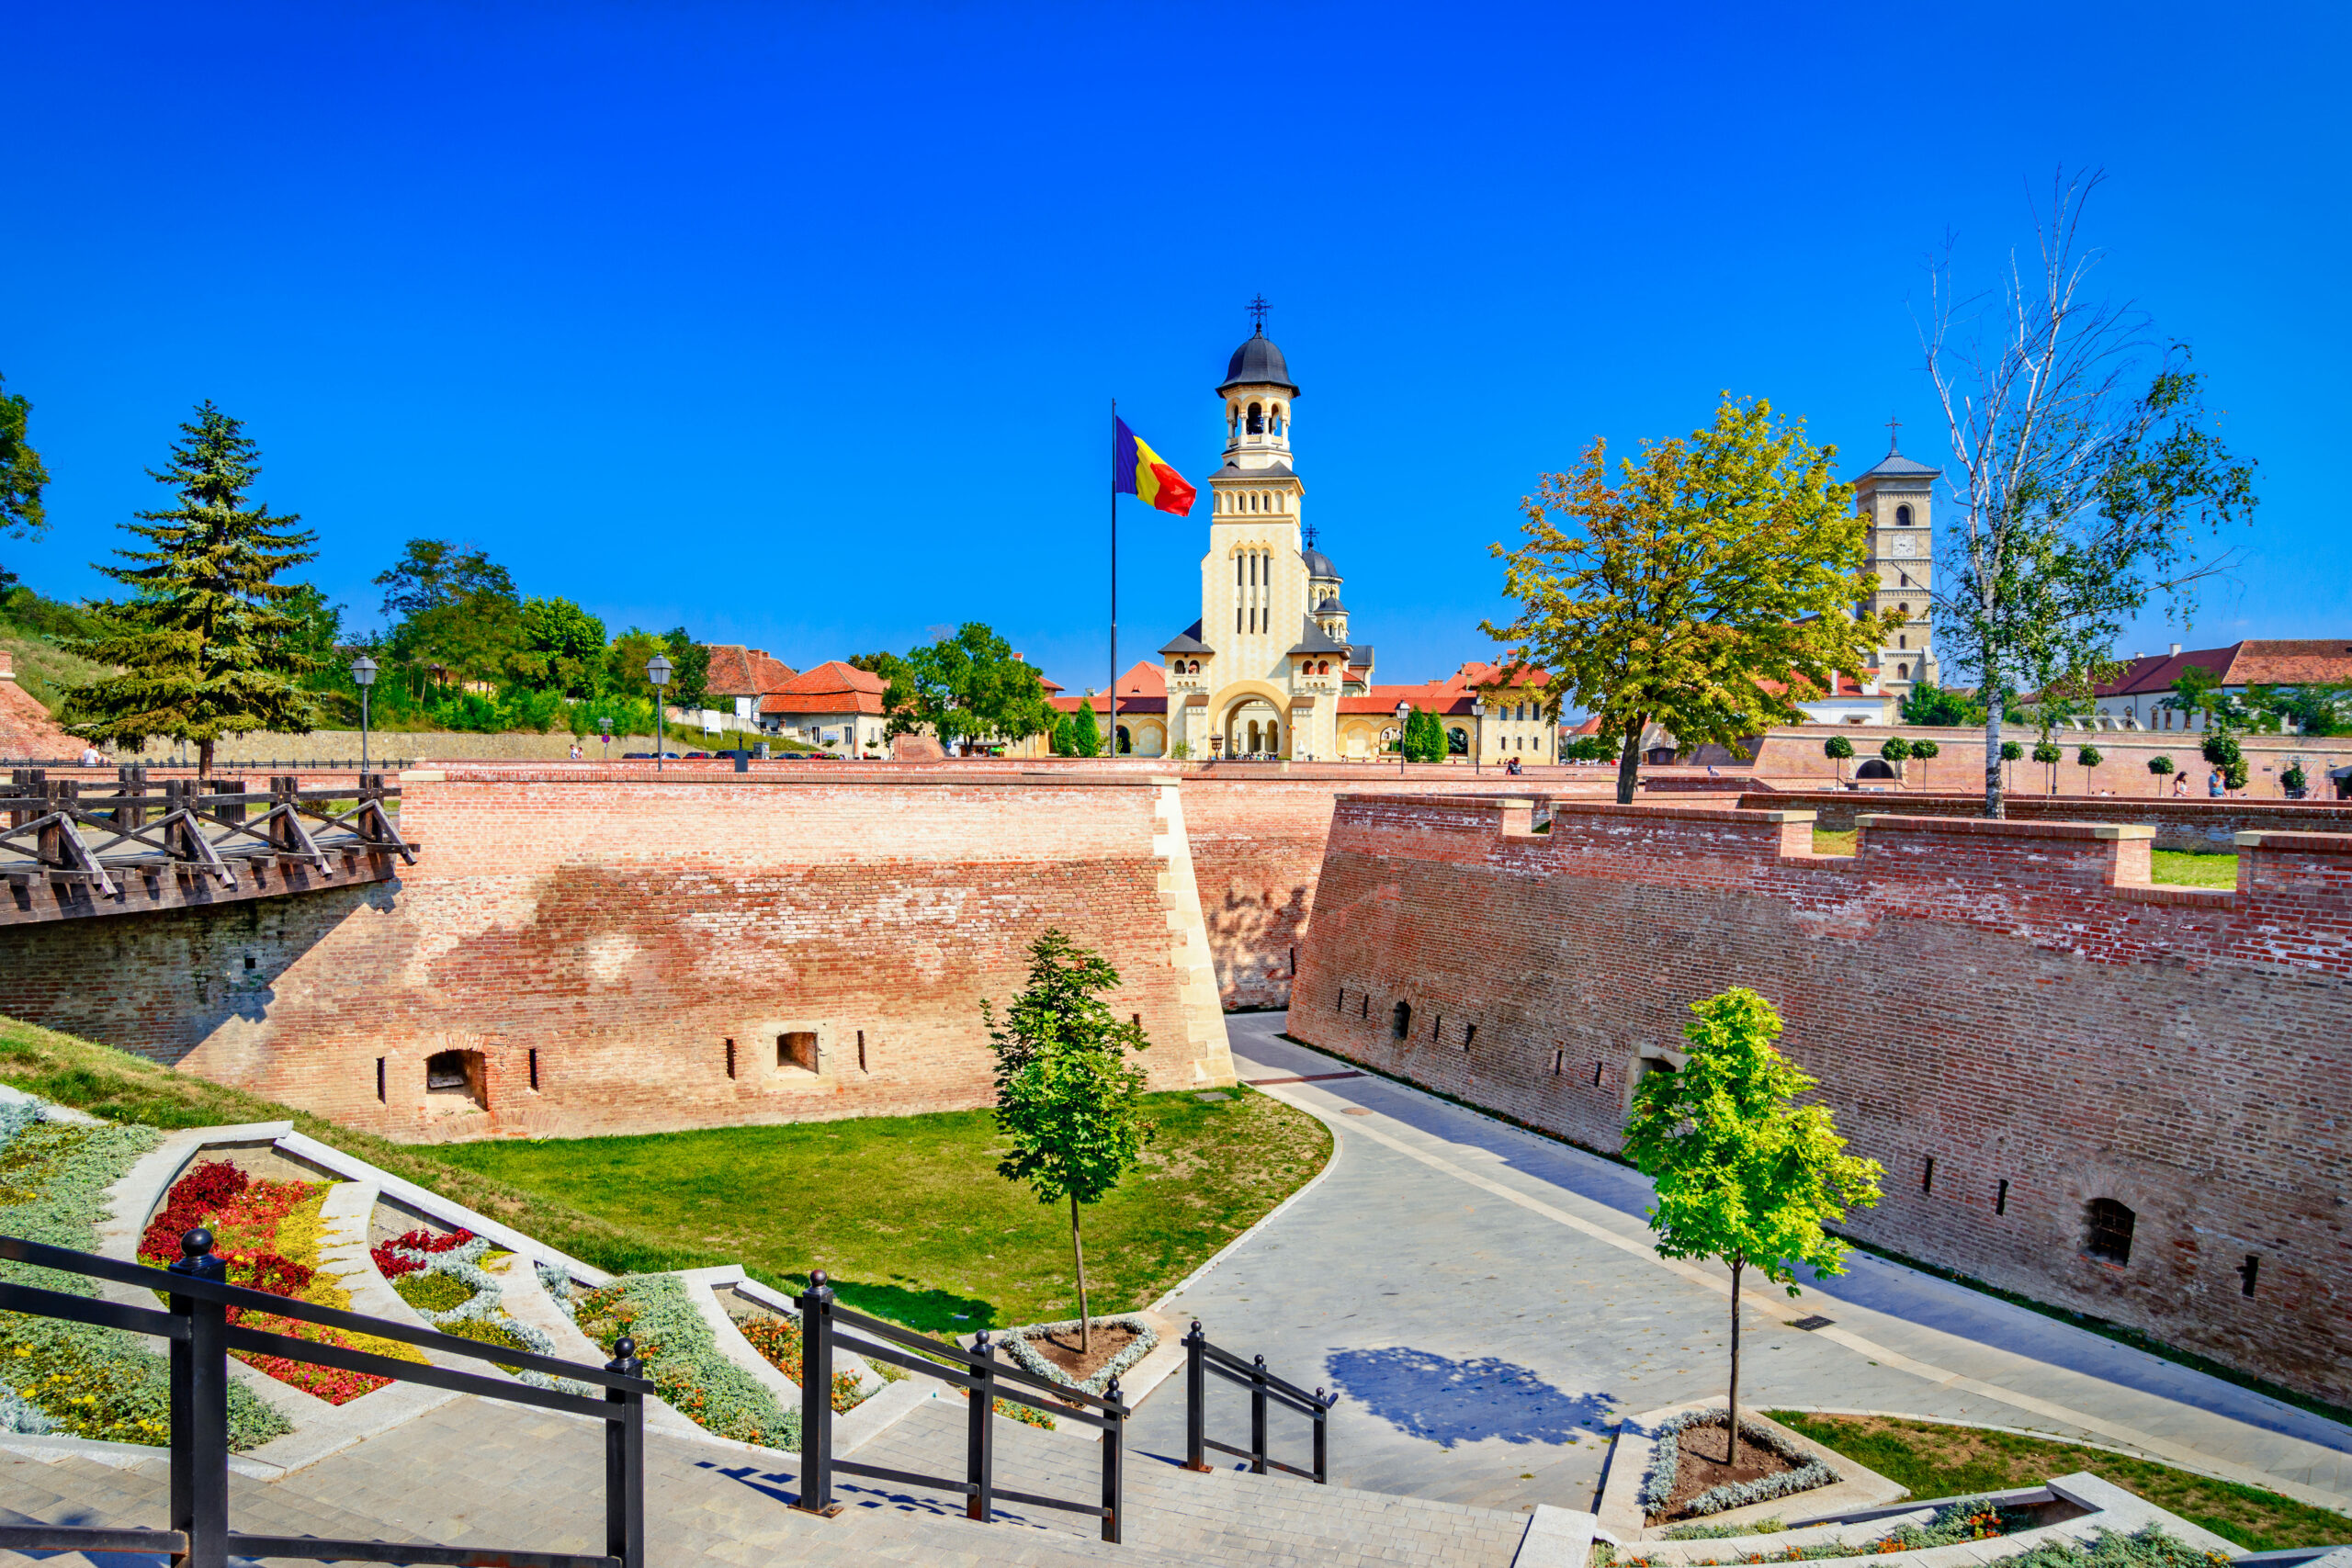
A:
(474, 1472)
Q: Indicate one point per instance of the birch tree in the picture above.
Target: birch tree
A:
(2086, 471)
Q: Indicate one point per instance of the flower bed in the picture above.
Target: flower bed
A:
(1973, 1518)
(683, 1360)
(73, 1378)
(267, 1232)
(1807, 1470)
(1016, 1342)
(448, 1279)
(778, 1341)
(2146, 1548)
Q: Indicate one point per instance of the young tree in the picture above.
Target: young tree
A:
(2086, 758)
(2047, 753)
(1839, 750)
(2221, 749)
(22, 477)
(1700, 592)
(206, 645)
(1744, 1173)
(1057, 739)
(2010, 752)
(1894, 751)
(1085, 734)
(2085, 475)
(1927, 751)
(1066, 1095)
(2159, 767)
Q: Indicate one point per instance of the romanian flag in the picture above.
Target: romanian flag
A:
(1137, 470)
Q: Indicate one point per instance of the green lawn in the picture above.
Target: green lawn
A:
(2194, 868)
(908, 1215)
(1936, 1460)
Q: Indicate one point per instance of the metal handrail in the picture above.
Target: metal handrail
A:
(984, 1382)
(196, 1328)
(1201, 1358)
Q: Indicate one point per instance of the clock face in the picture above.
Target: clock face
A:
(1904, 545)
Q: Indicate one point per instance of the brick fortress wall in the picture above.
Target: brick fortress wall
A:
(2010, 1001)
(610, 934)
(2195, 824)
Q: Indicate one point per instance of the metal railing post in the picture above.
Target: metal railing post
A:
(625, 1462)
(1322, 1444)
(199, 1385)
(817, 1398)
(1258, 1418)
(1115, 1445)
(1196, 1399)
(979, 1453)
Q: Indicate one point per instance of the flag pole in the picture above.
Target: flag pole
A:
(1111, 723)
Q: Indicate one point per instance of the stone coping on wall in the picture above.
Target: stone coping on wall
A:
(591, 773)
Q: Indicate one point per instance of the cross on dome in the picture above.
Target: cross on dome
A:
(1258, 313)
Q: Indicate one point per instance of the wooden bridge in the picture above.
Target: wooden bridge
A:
(67, 854)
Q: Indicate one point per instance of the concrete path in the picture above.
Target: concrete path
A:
(1487, 1304)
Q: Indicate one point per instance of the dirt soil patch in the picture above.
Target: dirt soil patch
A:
(1699, 1467)
(1060, 1350)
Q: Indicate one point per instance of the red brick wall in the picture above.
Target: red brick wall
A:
(624, 930)
(2191, 823)
(2010, 1000)
(1793, 756)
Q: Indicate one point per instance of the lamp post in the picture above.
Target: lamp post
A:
(657, 670)
(363, 676)
(1404, 712)
(1478, 734)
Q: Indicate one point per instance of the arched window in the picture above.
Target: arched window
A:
(1457, 742)
(1906, 611)
(1903, 517)
(2106, 1230)
(1902, 671)
(1257, 418)
(1401, 1021)
(1126, 744)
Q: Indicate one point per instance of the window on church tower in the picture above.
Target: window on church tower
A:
(1903, 517)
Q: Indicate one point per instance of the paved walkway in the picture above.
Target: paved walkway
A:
(1487, 1302)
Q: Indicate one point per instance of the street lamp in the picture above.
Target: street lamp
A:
(1404, 712)
(363, 676)
(657, 670)
(1478, 731)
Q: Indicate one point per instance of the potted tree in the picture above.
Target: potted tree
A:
(2159, 767)
(2088, 758)
(1838, 748)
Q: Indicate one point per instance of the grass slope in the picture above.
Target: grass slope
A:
(1938, 1459)
(907, 1214)
(124, 1088)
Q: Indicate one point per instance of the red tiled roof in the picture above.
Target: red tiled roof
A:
(2275, 662)
(1127, 703)
(1452, 696)
(831, 687)
(739, 672)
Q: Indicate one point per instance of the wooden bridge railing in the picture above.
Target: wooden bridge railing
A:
(58, 831)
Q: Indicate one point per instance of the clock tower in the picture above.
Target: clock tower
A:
(1896, 499)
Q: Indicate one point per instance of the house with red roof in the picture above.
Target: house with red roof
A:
(742, 678)
(833, 704)
(1140, 728)
(1485, 715)
(2136, 698)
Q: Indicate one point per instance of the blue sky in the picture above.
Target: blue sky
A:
(797, 324)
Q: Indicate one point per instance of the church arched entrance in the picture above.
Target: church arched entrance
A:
(1253, 729)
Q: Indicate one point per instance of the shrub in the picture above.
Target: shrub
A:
(684, 1362)
(778, 1341)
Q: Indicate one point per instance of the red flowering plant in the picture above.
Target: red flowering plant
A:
(392, 1257)
(246, 1215)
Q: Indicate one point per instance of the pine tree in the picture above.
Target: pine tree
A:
(1085, 734)
(205, 643)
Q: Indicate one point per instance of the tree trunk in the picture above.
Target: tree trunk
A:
(1990, 692)
(1078, 1251)
(1629, 762)
(1731, 1451)
(204, 759)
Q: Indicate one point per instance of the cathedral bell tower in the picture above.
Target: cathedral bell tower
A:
(1896, 498)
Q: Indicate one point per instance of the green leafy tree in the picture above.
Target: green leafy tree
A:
(2194, 690)
(22, 477)
(2294, 781)
(1744, 1173)
(2047, 753)
(625, 660)
(1894, 749)
(1085, 732)
(2159, 767)
(2010, 752)
(564, 648)
(689, 669)
(1700, 592)
(2085, 477)
(1928, 703)
(2086, 758)
(2221, 749)
(206, 645)
(1067, 1098)
(971, 686)
(1841, 750)
(1926, 750)
(1591, 748)
(452, 609)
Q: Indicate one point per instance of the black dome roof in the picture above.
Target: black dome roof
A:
(1258, 362)
(1318, 563)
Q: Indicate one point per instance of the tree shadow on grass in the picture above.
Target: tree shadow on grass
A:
(927, 1312)
(1449, 1401)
